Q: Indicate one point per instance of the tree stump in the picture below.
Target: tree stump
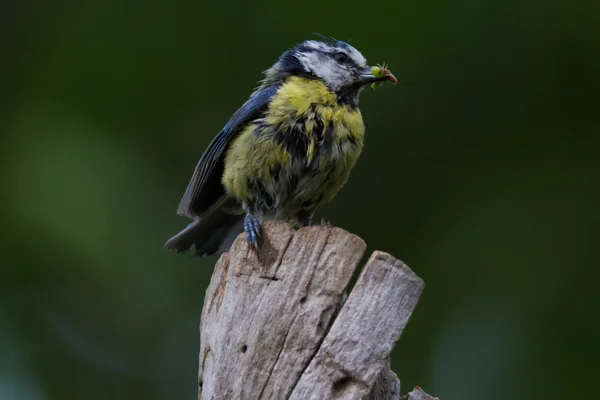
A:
(275, 324)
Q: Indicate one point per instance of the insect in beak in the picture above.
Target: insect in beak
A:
(377, 75)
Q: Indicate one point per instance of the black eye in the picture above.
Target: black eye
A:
(340, 57)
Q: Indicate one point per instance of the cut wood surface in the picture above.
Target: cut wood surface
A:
(274, 324)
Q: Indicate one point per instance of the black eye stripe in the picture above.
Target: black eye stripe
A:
(341, 57)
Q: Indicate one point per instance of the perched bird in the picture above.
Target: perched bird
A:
(285, 152)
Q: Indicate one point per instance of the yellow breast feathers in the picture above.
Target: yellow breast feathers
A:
(309, 102)
(303, 148)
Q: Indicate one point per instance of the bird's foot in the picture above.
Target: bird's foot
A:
(253, 228)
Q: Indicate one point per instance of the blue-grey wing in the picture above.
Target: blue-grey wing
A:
(205, 189)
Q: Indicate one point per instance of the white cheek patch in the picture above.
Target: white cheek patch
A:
(309, 60)
(334, 75)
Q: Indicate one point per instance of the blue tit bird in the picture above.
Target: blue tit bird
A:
(288, 150)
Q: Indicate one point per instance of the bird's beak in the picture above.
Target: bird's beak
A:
(366, 76)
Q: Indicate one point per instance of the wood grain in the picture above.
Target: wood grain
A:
(363, 335)
(275, 325)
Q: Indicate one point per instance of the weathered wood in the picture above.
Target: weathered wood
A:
(387, 385)
(363, 335)
(273, 324)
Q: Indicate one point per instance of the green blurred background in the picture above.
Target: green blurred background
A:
(480, 171)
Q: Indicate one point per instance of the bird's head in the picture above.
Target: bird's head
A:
(339, 65)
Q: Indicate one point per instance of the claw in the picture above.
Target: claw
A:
(253, 229)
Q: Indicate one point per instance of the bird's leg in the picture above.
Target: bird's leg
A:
(305, 218)
(253, 228)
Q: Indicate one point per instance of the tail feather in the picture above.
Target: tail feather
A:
(211, 234)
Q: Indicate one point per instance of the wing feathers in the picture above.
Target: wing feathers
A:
(205, 186)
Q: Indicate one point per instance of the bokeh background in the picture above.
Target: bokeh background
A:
(480, 171)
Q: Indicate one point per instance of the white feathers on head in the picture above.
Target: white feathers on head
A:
(356, 55)
(322, 63)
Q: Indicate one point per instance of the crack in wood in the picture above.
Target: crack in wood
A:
(277, 359)
(270, 278)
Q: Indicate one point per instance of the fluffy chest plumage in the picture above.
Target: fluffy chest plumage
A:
(299, 154)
